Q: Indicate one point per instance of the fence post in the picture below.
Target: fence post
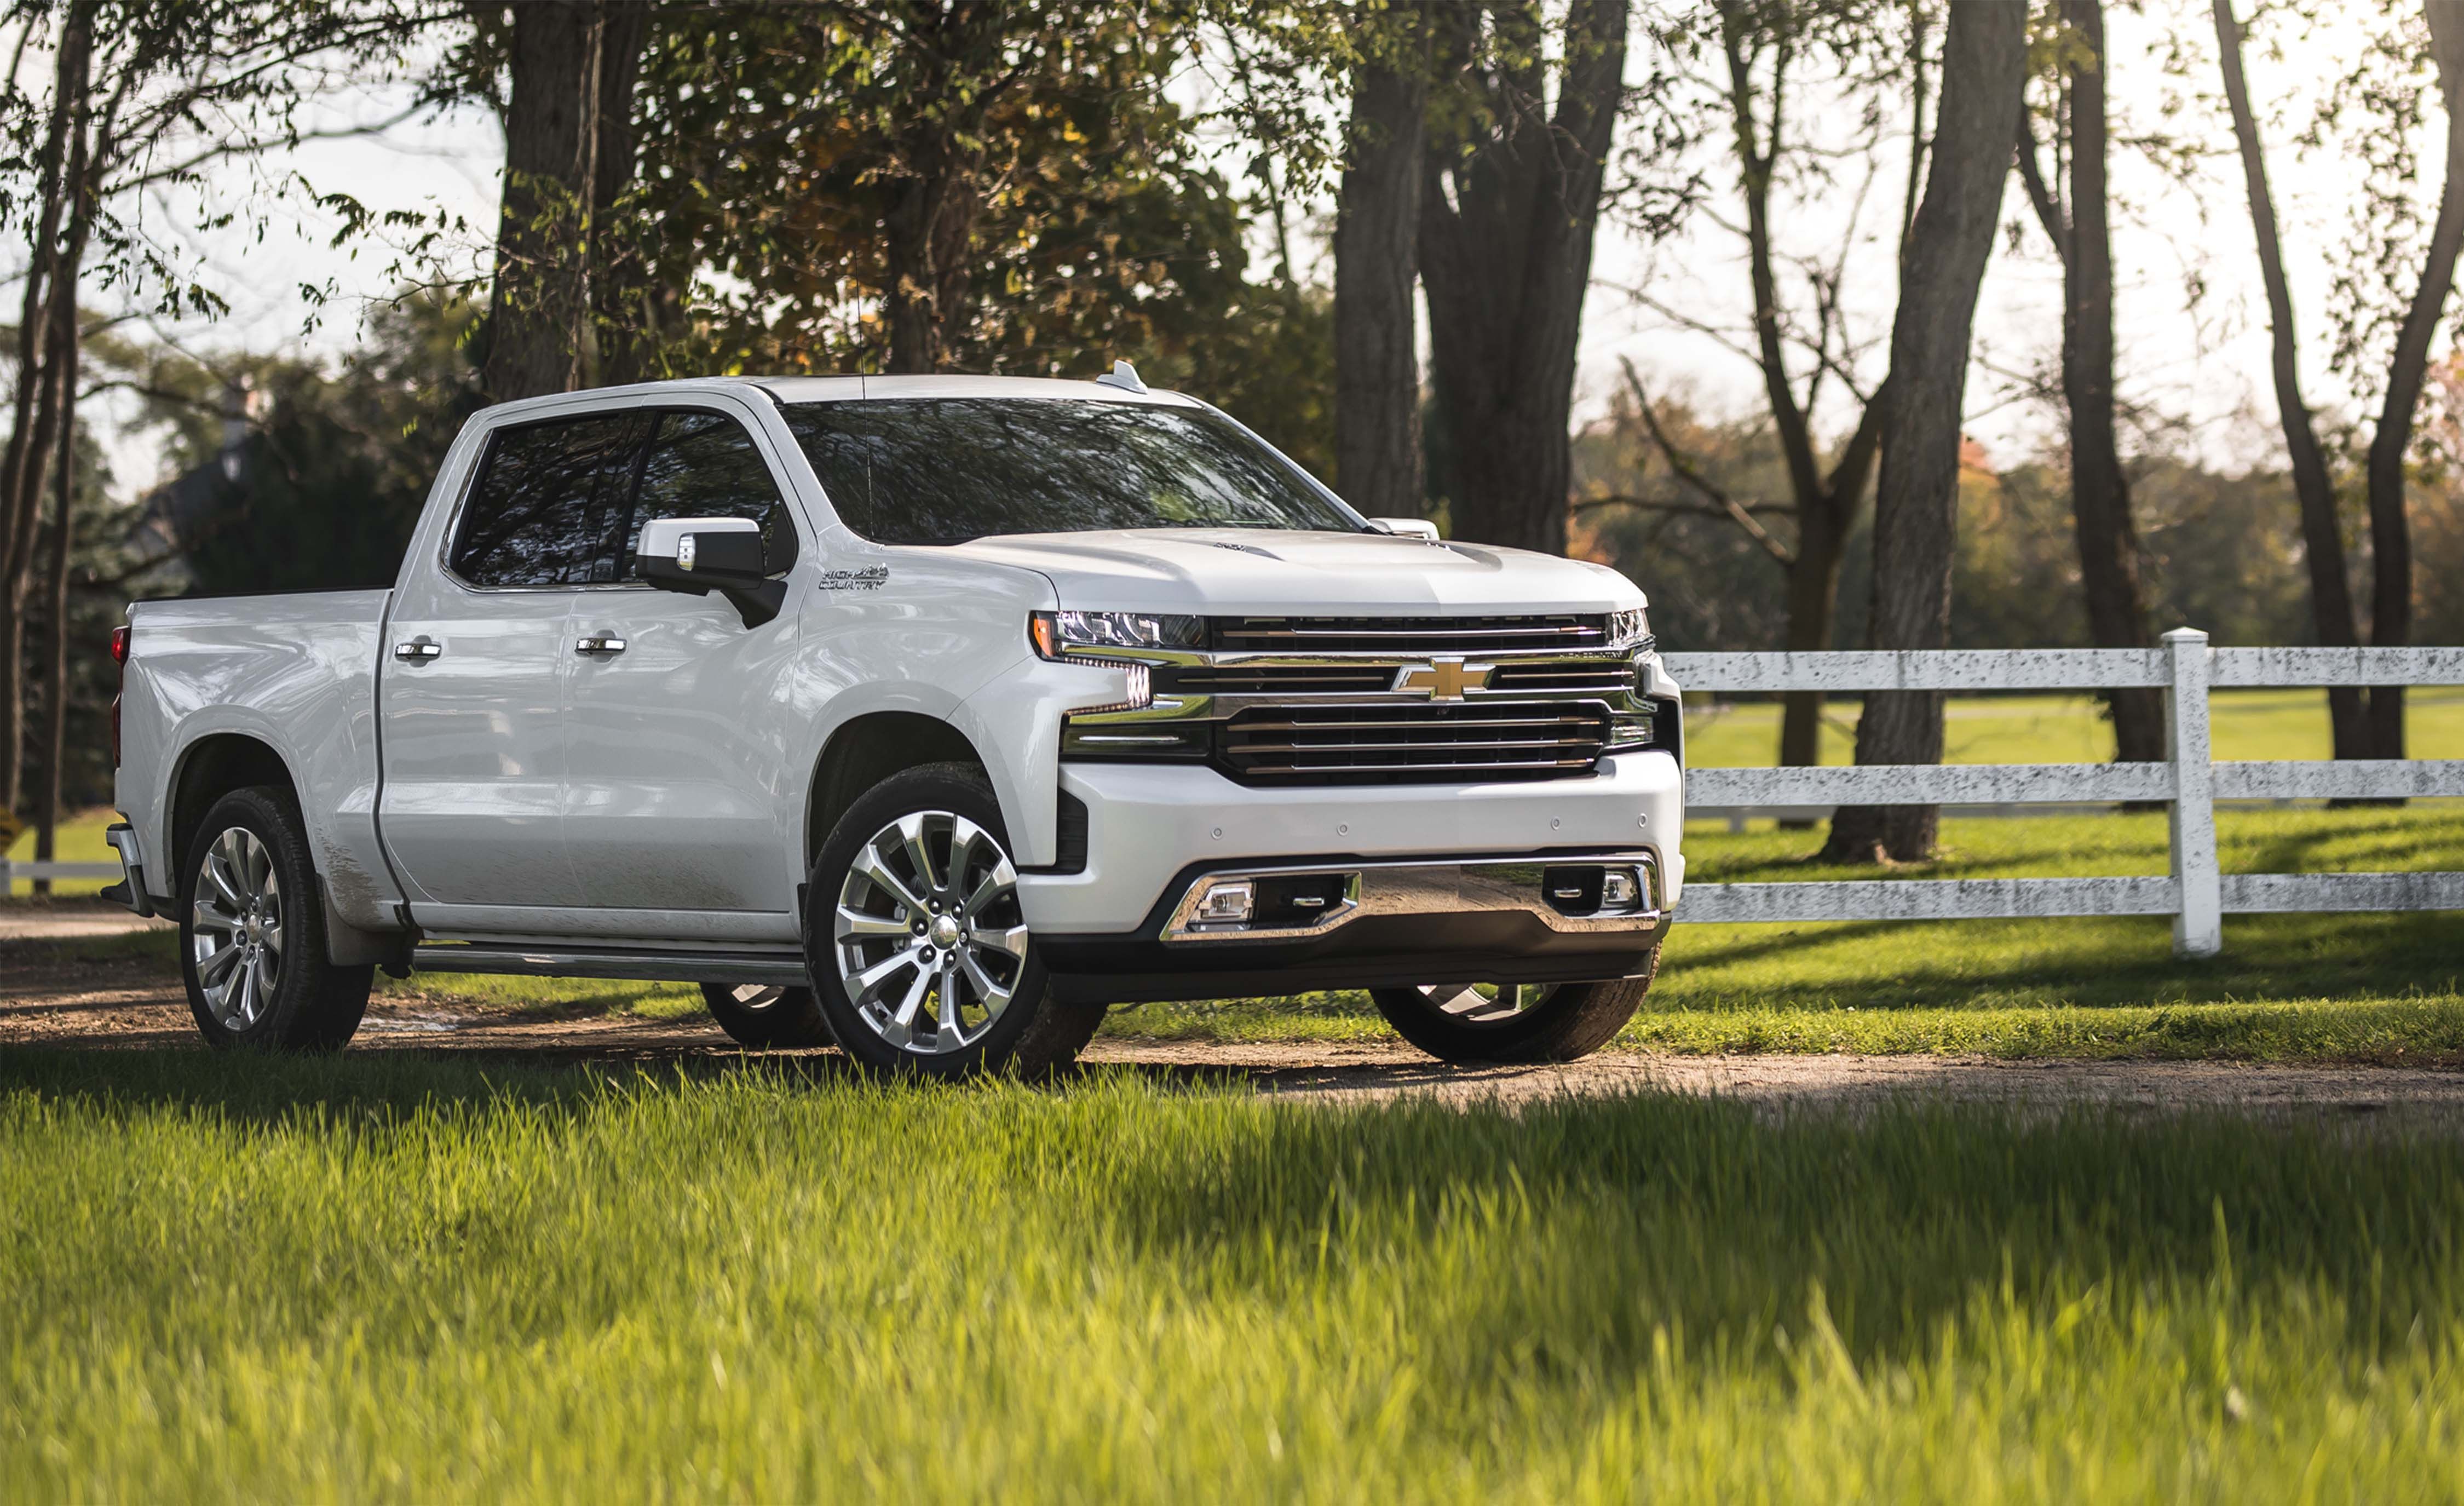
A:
(2198, 887)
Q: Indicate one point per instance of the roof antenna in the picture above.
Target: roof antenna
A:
(1124, 376)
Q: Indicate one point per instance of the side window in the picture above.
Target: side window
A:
(543, 498)
(703, 464)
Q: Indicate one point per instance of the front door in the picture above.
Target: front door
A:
(681, 794)
(474, 684)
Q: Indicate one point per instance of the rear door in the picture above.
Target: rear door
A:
(479, 650)
(682, 799)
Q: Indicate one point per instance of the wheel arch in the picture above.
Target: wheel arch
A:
(863, 751)
(210, 768)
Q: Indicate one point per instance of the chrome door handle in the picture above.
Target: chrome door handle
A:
(417, 648)
(599, 646)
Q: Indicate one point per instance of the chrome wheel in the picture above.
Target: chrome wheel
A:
(929, 939)
(235, 928)
(1479, 1004)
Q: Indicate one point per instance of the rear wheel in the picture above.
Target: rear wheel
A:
(920, 957)
(1514, 1022)
(760, 1018)
(253, 932)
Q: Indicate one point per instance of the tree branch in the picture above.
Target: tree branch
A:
(1735, 511)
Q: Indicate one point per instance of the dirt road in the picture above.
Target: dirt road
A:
(83, 998)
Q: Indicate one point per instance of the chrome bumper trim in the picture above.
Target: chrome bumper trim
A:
(1419, 887)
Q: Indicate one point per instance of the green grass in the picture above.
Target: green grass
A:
(79, 840)
(2067, 729)
(416, 1279)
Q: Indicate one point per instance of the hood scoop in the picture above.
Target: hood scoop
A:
(1244, 548)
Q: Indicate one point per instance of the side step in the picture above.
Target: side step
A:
(781, 968)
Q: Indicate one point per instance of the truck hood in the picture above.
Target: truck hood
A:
(1278, 571)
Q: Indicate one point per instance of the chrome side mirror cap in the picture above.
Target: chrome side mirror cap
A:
(697, 555)
(1406, 528)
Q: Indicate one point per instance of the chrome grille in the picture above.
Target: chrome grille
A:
(1410, 636)
(1273, 679)
(1396, 742)
(1565, 677)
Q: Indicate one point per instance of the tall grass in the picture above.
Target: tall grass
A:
(413, 1279)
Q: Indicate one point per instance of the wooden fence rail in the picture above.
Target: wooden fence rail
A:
(2198, 895)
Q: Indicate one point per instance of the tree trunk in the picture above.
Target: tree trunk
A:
(1812, 604)
(1916, 504)
(622, 301)
(540, 335)
(2322, 540)
(1506, 259)
(2390, 533)
(926, 238)
(56, 689)
(53, 272)
(2108, 541)
(1376, 227)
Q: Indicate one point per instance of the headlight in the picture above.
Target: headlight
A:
(1627, 630)
(1057, 634)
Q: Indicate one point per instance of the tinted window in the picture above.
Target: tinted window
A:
(539, 508)
(946, 470)
(702, 465)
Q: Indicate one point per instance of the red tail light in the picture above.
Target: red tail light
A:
(119, 657)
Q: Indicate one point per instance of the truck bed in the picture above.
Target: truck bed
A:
(297, 672)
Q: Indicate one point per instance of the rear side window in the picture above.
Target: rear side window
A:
(563, 503)
(702, 464)
(543, 498)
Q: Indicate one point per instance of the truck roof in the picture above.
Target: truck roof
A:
(859, 388)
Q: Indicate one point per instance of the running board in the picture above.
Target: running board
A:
(780, 968)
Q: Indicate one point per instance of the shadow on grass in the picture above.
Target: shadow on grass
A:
(1572, 1236)
(2087, 963)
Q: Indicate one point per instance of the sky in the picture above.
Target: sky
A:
(2201, 365)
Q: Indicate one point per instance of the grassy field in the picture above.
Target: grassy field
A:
(2069, 729)
(410, 1279)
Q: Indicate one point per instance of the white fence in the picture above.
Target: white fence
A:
(11, 873)
(2197, 893)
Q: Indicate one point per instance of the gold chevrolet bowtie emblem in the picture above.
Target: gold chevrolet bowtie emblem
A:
(1444, 679)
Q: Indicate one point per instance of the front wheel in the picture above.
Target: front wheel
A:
(920, 957)
(1514, 1022)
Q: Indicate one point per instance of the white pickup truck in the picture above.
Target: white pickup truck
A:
(925, 715)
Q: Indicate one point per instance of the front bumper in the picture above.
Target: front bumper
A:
(1148, 822)
(1496, 920)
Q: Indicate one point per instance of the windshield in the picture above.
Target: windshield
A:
(947, 470)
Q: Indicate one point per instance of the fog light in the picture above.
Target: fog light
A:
(1226, 902)
(1618, 889)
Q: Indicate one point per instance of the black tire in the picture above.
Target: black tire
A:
(1569, 1021)
(768, 1019)
(268, 909)
(1027, 1035)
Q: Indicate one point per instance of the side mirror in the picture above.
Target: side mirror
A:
(1407, 528)
(697, 555)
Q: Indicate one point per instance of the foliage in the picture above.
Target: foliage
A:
(335, 466)
(781, 147)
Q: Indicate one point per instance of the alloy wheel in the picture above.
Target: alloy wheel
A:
(236, 927)
(928, 936)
